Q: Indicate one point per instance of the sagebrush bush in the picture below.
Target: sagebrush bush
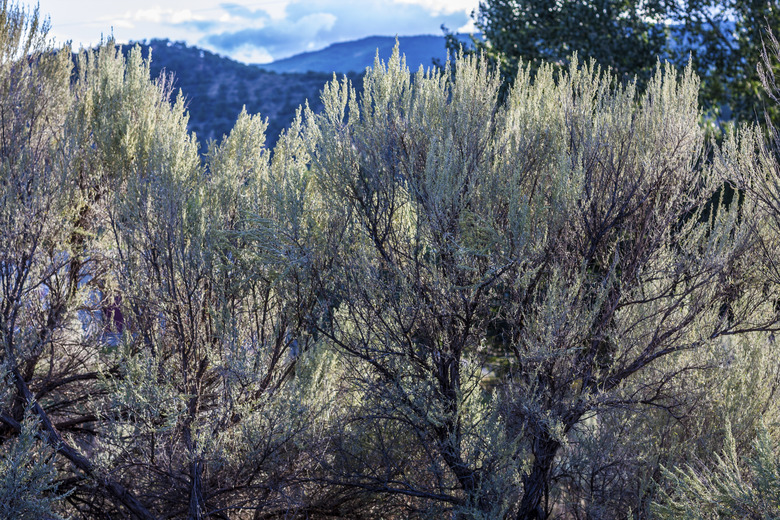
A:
(426, 300)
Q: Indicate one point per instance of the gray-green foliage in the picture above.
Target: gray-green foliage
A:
(28, 488)
(733, 488)
(34, 248)
(742, 480)
(428, 299)
(723, 38)
(207, 263)
(155, 304)
(507, 270)
(35, 191)
(614, 462)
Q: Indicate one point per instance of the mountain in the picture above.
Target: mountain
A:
(355, 56)
(217, 88)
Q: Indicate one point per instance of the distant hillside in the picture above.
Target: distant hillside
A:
(355, 56)
(216, 89)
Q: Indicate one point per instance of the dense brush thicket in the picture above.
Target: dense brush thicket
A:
(426, 301)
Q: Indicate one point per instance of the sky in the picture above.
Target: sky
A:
(252, 31)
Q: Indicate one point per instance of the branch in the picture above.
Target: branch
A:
(55, 440)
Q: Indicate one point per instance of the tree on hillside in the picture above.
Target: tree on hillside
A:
(625, 35)
(723, 39)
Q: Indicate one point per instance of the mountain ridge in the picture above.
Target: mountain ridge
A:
(217, 88)
(356, 55)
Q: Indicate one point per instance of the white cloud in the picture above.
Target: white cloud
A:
(122, 24)
(437, 7)
(252, 30)
(277, 10)
(469, 28)
(317, 22)
(182, 16)
(154, 15)
(251, 54)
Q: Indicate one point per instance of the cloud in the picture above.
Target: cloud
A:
(282, 37)
(230, 15)
(156, 15)
(437, 7)
(277, 34)
(244, 12)
(469, 28)
(258, 31)
(313, 24)
(251, 54)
